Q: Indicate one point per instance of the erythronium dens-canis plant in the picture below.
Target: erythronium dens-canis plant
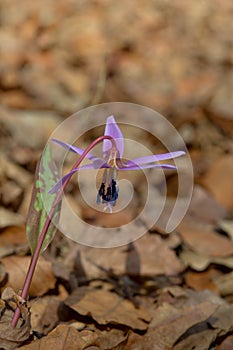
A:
(41, 226)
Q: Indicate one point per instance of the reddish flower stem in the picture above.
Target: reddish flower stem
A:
(36, 254)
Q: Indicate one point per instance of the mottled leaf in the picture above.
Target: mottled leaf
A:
(45, 178)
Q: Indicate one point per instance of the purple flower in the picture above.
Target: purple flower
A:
(112, 163)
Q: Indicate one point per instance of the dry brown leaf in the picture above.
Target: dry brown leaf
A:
(68, 337)
(106, 307)
(206, 243)
(113, 339)
(169, 323)
(222, 319)
(211, 211)
(8, 218)
(17, 266)
(218, 181)
(10, 337)
(152, 256)
(64, 337)
(181, 308)
(227, 226)
(174, 324)
(44, 314)
(199, 262)
(13, 236)
(227, 344)
(224, 284)
(200, 340)
(156, 257)
(13, 241)
(134, 342)
(11, 195)
(21, 123)
(14, 172)
(221, 108)
(203, 280)
(3, 275)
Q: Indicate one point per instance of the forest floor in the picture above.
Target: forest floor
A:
(163, 291)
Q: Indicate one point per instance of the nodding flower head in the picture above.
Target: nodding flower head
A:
(112, 162)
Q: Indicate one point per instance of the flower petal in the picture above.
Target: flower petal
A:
(134, 166)
(59, 184)
(73, 149)
(113, 130)
(154, 158)
(96, 162)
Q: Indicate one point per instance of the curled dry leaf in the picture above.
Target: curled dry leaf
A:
(16, 267)
(10, 337)
(199, 262)
(106, 307)
(67, 337)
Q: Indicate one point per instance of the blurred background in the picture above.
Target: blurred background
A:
(65, 55)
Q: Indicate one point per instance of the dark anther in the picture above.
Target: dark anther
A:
(111, 194)
(100, 193)
(114, 191)
(108, 194)
(102, 189)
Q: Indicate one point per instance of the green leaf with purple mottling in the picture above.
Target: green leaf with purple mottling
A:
(45, 178)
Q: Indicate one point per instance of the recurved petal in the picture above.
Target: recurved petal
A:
(73, 148)
(133, 166)
(155, 158)
(113, 130)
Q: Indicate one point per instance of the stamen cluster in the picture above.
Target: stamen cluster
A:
(110, 195)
